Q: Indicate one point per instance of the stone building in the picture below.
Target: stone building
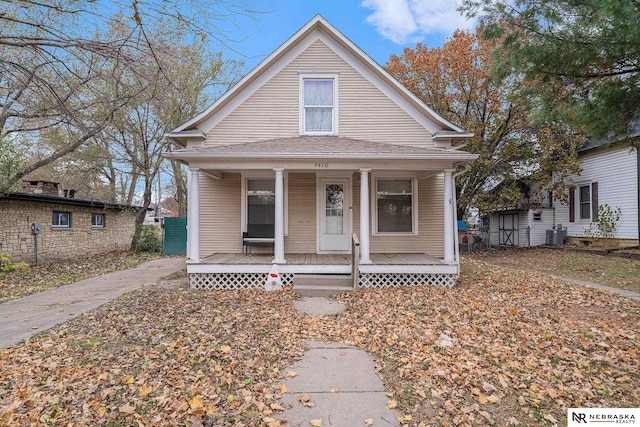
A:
(69, 228)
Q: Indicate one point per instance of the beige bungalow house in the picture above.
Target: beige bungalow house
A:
(320, 162)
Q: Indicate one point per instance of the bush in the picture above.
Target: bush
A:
(149, 240)
(7, 265)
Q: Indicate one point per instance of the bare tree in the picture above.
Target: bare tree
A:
(59, 61)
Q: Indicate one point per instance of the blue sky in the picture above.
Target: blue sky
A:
(379, 27)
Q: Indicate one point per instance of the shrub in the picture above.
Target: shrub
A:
(7, 265)
(149, 240)
(607, 224)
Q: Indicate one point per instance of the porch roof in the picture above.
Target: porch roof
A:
(320, 146)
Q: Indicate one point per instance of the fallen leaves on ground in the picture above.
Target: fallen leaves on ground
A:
(615, 270)
(525, 348)
(20, 283)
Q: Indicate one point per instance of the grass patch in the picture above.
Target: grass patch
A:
(608, 270)
(23, 282)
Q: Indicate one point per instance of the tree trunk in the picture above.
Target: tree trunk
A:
(146, 201)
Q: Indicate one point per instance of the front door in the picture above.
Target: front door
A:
(334, 216)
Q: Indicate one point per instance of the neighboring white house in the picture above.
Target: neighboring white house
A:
(610, 174)
(320, 162)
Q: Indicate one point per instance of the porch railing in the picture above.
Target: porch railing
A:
(355, 260)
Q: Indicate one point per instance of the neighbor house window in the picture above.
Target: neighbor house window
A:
(318, 105)
(584, 194)
(97, 220)
(395, 206)
(61, 219)
(261, 206)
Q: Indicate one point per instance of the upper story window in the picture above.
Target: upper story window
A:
(318, 106)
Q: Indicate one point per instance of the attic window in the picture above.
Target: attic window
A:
(318, 95)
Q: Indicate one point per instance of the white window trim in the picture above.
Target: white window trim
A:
(103, 220)
(578, 204)
(373, 205)
(61, 226)
(320, 76)
(243, 203)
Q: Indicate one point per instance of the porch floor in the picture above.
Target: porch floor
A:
(321, 259)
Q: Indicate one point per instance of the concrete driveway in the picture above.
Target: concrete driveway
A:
(31, 315)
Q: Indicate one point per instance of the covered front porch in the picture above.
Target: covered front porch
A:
(240, 271)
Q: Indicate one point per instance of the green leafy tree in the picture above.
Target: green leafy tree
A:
(11, 160)
(580, 58)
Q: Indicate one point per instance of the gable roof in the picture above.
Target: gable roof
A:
(200, 125)
(323, 146)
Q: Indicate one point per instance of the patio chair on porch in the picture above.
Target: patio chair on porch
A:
(258, 235)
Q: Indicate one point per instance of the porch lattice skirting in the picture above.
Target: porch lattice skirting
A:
(239, 281)
(232, 281)
(390, 280)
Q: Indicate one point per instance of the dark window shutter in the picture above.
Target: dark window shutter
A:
(594, 202)
(572, 205)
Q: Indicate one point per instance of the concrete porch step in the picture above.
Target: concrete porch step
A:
(322, 285)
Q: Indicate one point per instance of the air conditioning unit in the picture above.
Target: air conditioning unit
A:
(556, 236)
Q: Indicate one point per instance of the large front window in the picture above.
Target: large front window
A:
(395, 205)
(261, 204)
(318, 105)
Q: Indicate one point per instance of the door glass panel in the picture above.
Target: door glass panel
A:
(334, 209)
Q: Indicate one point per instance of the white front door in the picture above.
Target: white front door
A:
(334, 226)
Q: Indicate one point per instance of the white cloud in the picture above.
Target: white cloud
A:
(403, 21)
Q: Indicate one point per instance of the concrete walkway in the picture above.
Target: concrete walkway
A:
(624, 293)
(31, 315)
(335, 383)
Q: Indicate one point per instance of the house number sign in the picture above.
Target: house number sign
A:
(321, 165)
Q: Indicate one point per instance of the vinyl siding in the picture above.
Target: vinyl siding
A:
(364, 111)
(302, 213)
(615, 171)
(220, 230)
(539, 228)
(430, 237)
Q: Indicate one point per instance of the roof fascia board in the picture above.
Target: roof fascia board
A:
(348, 156)
(382, 74)
(253, 74)
(244, 93)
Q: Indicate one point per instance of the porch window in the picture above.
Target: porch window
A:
(61, 219)
(584, 192)
(261, 206)
(395, 201)
(318, 105)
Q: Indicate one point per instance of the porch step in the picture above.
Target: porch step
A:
(322, 285)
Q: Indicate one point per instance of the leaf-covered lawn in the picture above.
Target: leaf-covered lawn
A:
(20, 283)
(525, 349)
(608, 270)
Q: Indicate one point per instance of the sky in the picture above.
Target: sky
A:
(379, 27)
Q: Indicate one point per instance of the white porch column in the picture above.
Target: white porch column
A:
(278, 246)
(193, 215)
(364, 216)
(449, 253)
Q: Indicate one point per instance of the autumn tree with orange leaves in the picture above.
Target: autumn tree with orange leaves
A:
(514, 151)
